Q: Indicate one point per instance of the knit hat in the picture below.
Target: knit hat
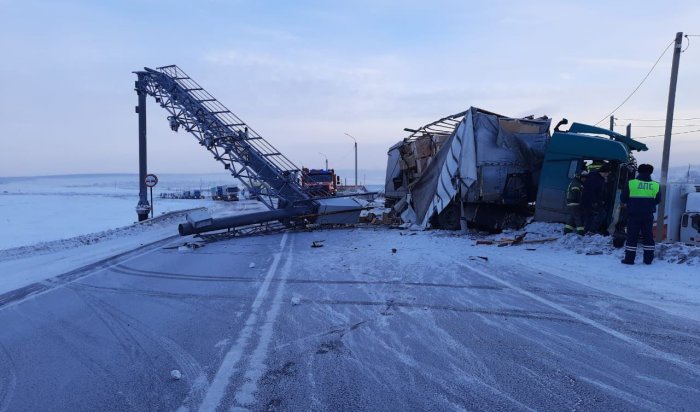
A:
(645, 169)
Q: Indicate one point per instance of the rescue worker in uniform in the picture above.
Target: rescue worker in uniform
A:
(593, 199)
(640, 198)
(574, 222)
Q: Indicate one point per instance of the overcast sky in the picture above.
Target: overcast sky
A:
(302, 73)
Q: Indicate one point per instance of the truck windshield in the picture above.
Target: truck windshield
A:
(320, 178)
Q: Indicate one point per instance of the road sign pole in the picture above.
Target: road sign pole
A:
(150, 181)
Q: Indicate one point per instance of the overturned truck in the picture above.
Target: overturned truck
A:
(478, 169)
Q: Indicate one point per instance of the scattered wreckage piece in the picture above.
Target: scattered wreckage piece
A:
(517, 240)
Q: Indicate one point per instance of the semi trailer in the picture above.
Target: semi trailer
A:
(479, 169)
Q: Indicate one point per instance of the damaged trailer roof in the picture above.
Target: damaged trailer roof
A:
(445, 158)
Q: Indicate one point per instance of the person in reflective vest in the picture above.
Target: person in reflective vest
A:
(640, 198)
(574, 221)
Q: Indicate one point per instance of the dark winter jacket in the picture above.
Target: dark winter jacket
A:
(593, 191)
(573, 192)
(641, 196)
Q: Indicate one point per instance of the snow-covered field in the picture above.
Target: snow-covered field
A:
(41, 209)
(56, 224)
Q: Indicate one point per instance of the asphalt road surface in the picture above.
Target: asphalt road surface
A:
(269, 323)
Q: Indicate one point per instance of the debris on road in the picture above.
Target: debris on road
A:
(176, 374)
(190, 246)
(393, 250)
(517, 240)
(252, 265)
(317, 243)
(484, 258)
(296, 301)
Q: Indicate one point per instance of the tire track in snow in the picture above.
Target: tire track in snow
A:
(215, 392)
(17, 296)
(8, 379)
(646, 349)
(256, 365)
(115, 320)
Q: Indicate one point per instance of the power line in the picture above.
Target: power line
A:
(659, 126)
(638, 86)
(658, 120)
(673, 134)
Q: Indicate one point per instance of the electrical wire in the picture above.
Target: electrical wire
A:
(658, 120)
(672, 134)
(639, 85)
(659, 125)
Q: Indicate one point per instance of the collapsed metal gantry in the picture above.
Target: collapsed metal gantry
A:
(231, 141)
(250, 158)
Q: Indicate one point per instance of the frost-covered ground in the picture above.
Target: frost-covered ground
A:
(671, 283)
(56, 224)
(376, 319)
(46, 208)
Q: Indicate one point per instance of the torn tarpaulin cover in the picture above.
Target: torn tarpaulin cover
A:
(478, 162)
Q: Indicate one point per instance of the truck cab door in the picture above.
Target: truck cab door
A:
(617, 222)
(690, 228)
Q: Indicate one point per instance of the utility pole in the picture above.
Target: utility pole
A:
(629, 130)
(612, 123)
(347, 134)
(660, 214)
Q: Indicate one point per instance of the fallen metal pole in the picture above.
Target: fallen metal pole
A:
(242, 220)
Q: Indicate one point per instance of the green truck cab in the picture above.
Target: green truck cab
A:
(565, 156)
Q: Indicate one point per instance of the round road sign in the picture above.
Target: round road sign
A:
(151, 180)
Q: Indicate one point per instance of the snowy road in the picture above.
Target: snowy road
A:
(349, 326)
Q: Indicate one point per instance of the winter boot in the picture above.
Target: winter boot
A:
(629, 257)
(648, 256)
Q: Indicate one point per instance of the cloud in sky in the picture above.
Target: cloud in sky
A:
(303, 73)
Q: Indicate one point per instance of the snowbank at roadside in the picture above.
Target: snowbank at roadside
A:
(21, 266)
(588, 245)
(671, 283)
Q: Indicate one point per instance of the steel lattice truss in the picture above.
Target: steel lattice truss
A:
(444, 126)
(249, 157)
